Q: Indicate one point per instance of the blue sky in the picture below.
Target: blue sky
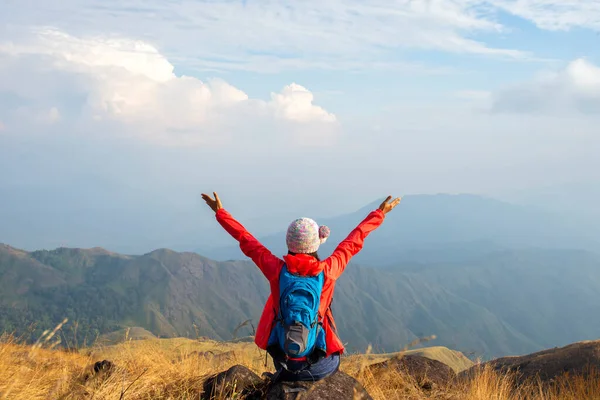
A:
(133, 108)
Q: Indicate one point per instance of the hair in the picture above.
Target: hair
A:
(315, 255)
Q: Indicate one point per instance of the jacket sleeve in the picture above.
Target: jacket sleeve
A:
(337, 262)
(250, 246)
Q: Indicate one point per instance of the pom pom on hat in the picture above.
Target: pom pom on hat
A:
(324, 233)
(304, 236)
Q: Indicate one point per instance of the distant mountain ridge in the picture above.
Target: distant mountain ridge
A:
(508, 302)
(442, 228)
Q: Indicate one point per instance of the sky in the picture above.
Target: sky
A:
(116, 115)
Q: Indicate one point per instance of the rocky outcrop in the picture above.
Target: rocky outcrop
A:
(236, 380)
(241, 381)
(426, 372)
(580, 358)
(339, 386)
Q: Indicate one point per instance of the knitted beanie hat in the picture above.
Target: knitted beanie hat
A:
(304, 236)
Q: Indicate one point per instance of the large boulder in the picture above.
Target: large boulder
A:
(339, 386)
(426, 372)
(241, 381)
(580, 358)
(237, 379)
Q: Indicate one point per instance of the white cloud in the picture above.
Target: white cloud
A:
(576, 88)
(130, 83)
(92, 53)
(272, 35)
(555, 14)
(295, 103)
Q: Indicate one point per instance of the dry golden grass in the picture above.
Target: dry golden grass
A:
(485, 385)
(146, 369)
(173, 369)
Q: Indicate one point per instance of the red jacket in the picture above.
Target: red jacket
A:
(303, 264)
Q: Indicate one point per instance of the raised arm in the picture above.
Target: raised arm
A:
(250, 246)
(350, 246)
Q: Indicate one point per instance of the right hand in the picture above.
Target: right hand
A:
(214, 204)
(389, 204)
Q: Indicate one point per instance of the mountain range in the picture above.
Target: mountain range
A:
(444, 228)
(504, 302)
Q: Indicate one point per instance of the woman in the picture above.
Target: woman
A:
(297, 331)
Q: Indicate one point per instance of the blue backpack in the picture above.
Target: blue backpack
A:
(297, 331)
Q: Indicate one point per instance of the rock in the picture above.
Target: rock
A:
(103, 366)
(250, 386)
(99, 371)
(575, 359)
(428, 373)
(339, 386)
(238, 379)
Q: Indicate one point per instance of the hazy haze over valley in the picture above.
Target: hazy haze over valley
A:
(109, 130)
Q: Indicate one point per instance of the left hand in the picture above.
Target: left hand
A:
(389, 204)
(214, 204)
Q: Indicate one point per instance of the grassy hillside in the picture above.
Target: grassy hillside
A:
(123, 335)
(139, 338)
(175, 370)
(454, 359)
(167, 293)
(507, 303)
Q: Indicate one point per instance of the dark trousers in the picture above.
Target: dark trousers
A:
(301, 371)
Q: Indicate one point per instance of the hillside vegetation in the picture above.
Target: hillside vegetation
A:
(506, 303)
